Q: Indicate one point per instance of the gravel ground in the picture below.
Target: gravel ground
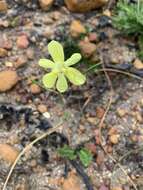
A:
(81, 109)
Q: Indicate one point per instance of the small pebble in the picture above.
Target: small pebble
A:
(45, 4)
(8, 64)
(42, 108)
(107, 13)
(93, 37)
(8, 153)
(30, 53)
(121, 112)
(46, 115)
(3, 52)
(103, 187)
(100, 112)
(116, 188)
(87, 48)
(35, 89)
(77, 28)
(22, 42)
(21, 61)
(138, 64)
(114, 139)
(3, 6)
(8, 79)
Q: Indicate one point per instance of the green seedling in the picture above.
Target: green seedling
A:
(128, 17)
(83, 154)
(85, 157)
(67, 152)
(61, 70)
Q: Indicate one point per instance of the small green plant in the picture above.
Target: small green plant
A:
(67, 152)
(85, 157)
(129, 17)
(83, 154)
(61, 70)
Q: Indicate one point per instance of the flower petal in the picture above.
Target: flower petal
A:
(56, 51)
(49, 80)
(62, 85)
(46, 63)
(75, 76)
(76, 57)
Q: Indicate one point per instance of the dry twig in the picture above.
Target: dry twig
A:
(26, 149)
(103, 118)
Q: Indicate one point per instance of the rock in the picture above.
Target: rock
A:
(112, 131)
(23, 186)
(93, 37)
(30, 54)
(76, 28)
(3, 52)
(71, 182)
(45, 4)
(42, 108)
(116, 188)
(56, 15)
(22, 42)
(121, 112)
(138, 64)
(100, 112)
(91, 147)
(8, 64)
(35, 89)
(114, 135)
(47, 115)
(114, 139)
(141, 102)
(47, 33)
(4, 23)
(87, 48)
(8, 79)
(138, 117)
(92, 120)
(97, 137)
(3, 6)
(8, 153)
(134, 138)
(103, 187)
(21, 61)
(84, 5)
(5, 43)
(107, 13)
(100, 158)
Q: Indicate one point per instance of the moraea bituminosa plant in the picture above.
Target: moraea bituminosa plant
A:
(61, 70)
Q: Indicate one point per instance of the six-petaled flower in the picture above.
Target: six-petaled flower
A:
(61, 70)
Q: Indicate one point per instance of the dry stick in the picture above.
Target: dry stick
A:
(122, 72)
(26, 149)
(103, 118)
(129, 153)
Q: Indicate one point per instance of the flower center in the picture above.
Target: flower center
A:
(59, 67)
